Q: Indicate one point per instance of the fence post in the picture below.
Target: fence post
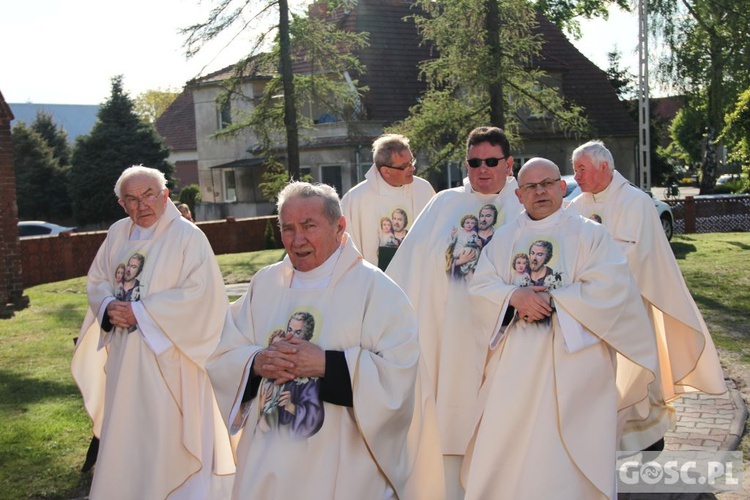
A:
(689, 215)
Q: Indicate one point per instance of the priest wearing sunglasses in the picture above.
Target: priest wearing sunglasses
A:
(427, 268)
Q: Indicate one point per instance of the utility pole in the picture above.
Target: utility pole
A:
(644, 117)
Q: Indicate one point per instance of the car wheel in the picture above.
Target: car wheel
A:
(666, 225)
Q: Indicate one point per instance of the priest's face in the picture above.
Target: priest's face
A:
(540, 189)
(486, 179)
(592, 177)
(308, 236)
(144, 200)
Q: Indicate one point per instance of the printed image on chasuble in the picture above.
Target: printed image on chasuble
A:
(535, 267)
(393, 227)
(467, 240)
(127, 284)
(293, 406)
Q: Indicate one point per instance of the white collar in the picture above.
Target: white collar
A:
(319, 277)
(142, 233)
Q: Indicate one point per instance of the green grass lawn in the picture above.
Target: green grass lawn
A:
(45, 431)
(716, 267)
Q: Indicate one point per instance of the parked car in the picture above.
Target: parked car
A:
(29, 228)
(664, 210)
(724, 178)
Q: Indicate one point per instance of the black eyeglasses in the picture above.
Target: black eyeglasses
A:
(545, 185)
(490, 162)
(411, 163)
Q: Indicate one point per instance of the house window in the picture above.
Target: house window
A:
(224, 114)
(331, 175)
(230, 187)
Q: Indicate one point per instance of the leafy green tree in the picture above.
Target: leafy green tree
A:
(707, 59)
(621, 79)
(484, 73)
(40, 182)
(567, 13)
(118, 140)
(151, 104)
(737, 131)
(688, 132)
(190, 195)
(313, 41)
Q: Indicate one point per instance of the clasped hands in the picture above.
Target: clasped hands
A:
(288, 358)
(532, 303)
(120, 314)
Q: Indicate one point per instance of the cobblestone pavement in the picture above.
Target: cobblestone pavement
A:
(706, 422)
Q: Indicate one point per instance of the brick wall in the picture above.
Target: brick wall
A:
(46, 259)
(11, 285)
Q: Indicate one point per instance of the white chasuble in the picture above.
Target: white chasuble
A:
(433, 266)
(378, 215)
(688, 361)
(292, 443)
(146, 388)
(547, 424)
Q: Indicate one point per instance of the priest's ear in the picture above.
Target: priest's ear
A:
(341, 226)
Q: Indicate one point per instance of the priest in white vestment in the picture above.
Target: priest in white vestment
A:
(157, 303)
(688, 361)
(379, 209)
(316, 371)
(547, 421)
(434, 265)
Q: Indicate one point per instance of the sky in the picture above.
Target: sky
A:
(67, 51)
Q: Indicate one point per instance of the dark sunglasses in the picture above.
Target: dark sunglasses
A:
(490, 162)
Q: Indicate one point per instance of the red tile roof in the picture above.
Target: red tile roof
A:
(666, 108)
(5, 112)
(584, 83)
(177, 124)
(392, 70)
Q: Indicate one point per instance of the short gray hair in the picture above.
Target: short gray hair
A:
(135, 170)
(597, 152)
(299, 189)
(384, 147)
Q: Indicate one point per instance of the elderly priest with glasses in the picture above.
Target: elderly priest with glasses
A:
(434, 265)
(139, 360)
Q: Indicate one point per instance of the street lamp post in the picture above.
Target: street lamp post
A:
(644, 139)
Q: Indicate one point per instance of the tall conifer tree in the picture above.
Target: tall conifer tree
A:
(118, 140)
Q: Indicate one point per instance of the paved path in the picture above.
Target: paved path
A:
(706, 422)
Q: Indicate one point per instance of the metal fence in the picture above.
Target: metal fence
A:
(711, 214)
